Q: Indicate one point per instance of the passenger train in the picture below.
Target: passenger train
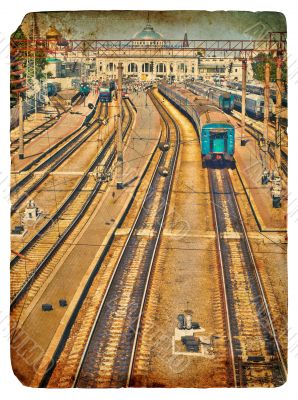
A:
(84, 89)
(254, 102)
(216, 133)
(218, 97)
(105, 95)
(53, 88)
(258, 90)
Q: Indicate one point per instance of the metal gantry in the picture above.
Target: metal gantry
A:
(229, 49)
(245, 50)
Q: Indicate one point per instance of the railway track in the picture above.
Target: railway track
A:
(32, 134)
(256, 357)
(50, 154)
(40, 251)
(108, 357)
(36, 176)
(14, 146)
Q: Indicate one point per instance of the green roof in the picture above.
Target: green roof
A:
(148, 33)
(52, 59)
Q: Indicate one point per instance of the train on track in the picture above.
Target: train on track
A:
(105, 94)
(53, 88)
(254, 102)
(216, 133)
(112, 85)
(218, 97)
(84, 89)
(124, 93)
(258, 90)
(75, 83)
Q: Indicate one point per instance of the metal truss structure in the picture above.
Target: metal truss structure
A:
(228, 49)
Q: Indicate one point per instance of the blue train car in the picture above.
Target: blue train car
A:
(216, 133)
(105, 95)
(112, 85)
(75, 83)
(254, 105)
(254, 102)
(259, 90)
(85, 89)
(52, 89)
(217, 138)
(220, 98)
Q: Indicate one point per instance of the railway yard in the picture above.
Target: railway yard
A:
(149, 239)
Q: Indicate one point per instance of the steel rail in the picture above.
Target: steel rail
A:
(238, 218)
(120, 260)
(156, 243)
(77, 218)
(52, 157)
(33, 133)
(70, 198)
(67, 153)
(220, 251)
(259, 282)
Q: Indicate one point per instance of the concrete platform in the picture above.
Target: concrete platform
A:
(67, 94)
(249, 167)
(71, 274)
(67, 124)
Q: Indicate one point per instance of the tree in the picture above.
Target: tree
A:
(17, 70)
(258, 67)
(18, 34)
(40, 53)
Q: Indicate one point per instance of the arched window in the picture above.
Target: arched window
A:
(182, 68)
(161, 67)
(147, 67)
(111, 67)
(132, 67)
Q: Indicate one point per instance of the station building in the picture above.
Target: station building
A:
(139, 64)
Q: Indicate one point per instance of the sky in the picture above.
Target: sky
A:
(171, 24)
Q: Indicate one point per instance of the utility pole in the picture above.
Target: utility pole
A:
(35, 89)
(278, 111)
(266, 111)
(119, 131)
(21, 128)
(244, 72)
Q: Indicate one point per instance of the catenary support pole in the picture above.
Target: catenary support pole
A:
(278, 112)
(244, 73)
(119, 130)
(21, 128)
(266, 111)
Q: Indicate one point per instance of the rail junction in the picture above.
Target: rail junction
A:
(139, 257)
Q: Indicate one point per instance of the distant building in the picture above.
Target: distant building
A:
(67, 68)
(221, 68)
(149, 57)
(139, 64)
